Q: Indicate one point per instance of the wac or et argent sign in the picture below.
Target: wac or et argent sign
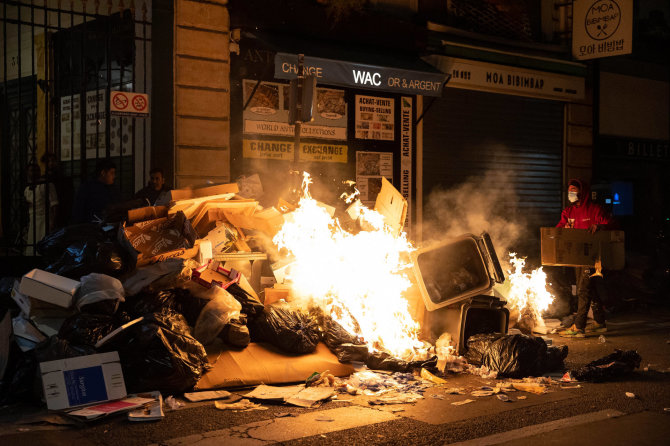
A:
(601, 28)
(356, 75)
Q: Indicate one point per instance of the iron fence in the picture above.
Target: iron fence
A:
(60, 61)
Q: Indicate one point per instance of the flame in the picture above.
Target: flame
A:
(528, 292)
(358, 279)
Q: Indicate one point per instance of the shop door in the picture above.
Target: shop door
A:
(469, 134)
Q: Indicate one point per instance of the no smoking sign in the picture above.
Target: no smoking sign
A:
(128, 103)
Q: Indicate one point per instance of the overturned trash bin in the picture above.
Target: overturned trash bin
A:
(454, 277)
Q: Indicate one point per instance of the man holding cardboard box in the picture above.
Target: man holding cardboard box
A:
(582, 213)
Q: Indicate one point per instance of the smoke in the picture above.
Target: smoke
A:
(483, 204)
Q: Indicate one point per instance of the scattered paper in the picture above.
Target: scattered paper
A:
(195, 397)
(296, 395)
(425, 374)
(630, 395)
(460, 403)
(173, 403)
(324, 418)
(151, 412)
(504, 398)
(522, 397)
(537, 389)
(243, 404)
(111, 407)
(481, 393)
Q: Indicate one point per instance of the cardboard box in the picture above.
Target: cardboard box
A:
(82, 380)
(578, 247)
(263, 364)
(49, 287)
(146, 213)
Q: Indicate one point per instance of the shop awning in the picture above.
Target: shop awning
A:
(358, 75)
(361, 67)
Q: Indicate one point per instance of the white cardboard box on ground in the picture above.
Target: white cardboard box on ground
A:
(82, 380)
(49, 287)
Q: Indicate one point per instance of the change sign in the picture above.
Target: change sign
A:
(602, 28)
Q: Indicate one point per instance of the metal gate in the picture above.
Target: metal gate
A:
(59, 60)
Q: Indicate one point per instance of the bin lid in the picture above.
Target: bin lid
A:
(456, 269)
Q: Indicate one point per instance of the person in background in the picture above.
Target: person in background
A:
(95, 195)
(156, 192)
(40, 199)
(64, 189)
(582, 213)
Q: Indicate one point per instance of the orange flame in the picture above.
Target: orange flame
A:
(528, 291)
(358, 279)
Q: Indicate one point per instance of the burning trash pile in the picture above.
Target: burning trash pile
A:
(216, 291)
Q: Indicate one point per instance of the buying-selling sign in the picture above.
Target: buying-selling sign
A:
(375, 118)
(601, 28)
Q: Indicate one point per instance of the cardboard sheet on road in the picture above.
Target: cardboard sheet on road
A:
(263, 364)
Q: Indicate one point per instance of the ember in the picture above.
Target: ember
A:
(358, 279)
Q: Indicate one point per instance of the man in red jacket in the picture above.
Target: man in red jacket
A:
(582, 213)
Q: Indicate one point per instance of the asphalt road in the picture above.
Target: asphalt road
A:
(573, 416)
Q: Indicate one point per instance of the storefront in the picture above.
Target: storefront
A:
(500, 127)
(363, 125)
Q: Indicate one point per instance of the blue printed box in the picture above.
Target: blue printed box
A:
(82, 380)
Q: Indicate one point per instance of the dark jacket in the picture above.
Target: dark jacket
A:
(92, 199)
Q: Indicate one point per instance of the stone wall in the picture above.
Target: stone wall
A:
(201, 92)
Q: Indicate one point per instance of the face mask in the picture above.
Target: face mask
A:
(572, 197)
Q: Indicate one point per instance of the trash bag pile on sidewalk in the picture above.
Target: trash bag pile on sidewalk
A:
(155, 287)
(148, 293)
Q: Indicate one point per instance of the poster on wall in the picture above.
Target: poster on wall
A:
(120, 128)
(370, 168)
(70, 128)
(267, 112)
(375, 118)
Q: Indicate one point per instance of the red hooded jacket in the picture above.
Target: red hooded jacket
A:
(585, 214)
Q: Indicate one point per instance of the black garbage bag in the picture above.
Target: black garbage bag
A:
(555, 357)
(352, 352)
(250, 306)
(611, 367)
(176, 299)
(236, 334)
(77, 250)
(334, 334)
(516, 356)
(21, 381)
(290, 331)
(57, 348)
(384, 361)
(478, 345)
(87, 329)
(159, 353)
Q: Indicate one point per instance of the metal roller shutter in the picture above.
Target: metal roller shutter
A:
(468, 133)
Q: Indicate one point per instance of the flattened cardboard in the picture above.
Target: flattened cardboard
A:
(49, 287)
(392, 205)
(184, 194)
(82, 380)
(263, 364)
(268, 220)
(578, 247)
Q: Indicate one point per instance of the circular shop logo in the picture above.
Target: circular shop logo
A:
(602, 19)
